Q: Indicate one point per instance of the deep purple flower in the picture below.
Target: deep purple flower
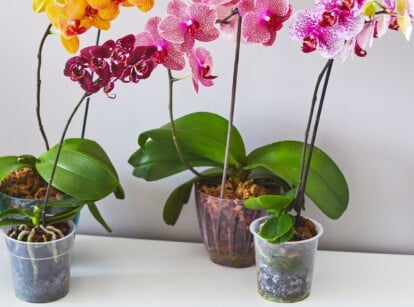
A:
(109, 62)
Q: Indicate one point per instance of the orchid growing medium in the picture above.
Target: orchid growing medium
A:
(334, 28)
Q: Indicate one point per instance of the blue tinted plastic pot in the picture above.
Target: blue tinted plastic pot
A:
(41, 271)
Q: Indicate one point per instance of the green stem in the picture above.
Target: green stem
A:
(171, 81)
(62, 138)
(232, 103)
(39, 83)
(307, 152)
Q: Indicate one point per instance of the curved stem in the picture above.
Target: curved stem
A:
(39, 83)
(62, 138)
(307, 153)
(86, 112)
(232, 104)
(171, 81)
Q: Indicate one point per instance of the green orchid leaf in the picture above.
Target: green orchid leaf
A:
(175, 202)
(9, 164)
(180, 196)
(14, 222)
(84, 170)
(284, 238)
(64, 216)
(14, 211)
(160, 160)
(326, 184)
(98, 217)
(268, 230)
(202, 134)
(66, 203)
(275, 228)
(269, 202)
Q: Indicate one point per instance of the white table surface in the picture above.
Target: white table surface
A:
(121, 272)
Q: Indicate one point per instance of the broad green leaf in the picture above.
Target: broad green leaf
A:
(14, 211)
(84, 171)
(326, 184)
(269, 202)
(175, 202)
(202, 134)
(180, 196)
(268, 230)
(64, 216)
(98, 217)
(160, 160)
(276, 227)
(9, 164)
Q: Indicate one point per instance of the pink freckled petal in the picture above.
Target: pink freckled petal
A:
(176, 8)
(278, 7)
(170, 29)
(252, 31)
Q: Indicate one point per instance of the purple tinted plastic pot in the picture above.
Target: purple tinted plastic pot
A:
(224, 227)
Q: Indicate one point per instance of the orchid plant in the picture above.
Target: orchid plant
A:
(334, 28)
(172, 42)
(78, 167)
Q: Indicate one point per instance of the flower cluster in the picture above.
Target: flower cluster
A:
(339, 27)
(74, 17)
(112, 61)
(174, 36)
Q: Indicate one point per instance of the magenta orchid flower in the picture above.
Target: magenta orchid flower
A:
(201, 64)
(166, 52)
(109, 62)
(263, 18)
(186, 23)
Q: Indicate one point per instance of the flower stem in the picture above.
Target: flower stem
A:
(62, 138)
(86, 112)
(232, 104)
(307, 152)
(39, 83)
(171, 81)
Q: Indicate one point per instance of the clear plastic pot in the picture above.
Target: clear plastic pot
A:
(284, 271)
(41, 271)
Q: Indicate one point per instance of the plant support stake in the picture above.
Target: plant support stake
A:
(307, 153)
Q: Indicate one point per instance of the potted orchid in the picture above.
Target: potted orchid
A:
(40, 196)
(206, 139)
(334, 28)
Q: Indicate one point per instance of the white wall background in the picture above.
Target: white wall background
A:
(366, 127)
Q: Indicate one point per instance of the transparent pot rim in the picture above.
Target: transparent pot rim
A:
(253, 225)
(72, 233)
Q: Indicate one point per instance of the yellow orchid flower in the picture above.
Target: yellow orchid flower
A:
(39, 6)
(403, 18)
(143, 5)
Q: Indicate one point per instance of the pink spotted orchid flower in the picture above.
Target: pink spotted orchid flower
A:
(184, 24)
(263, 18)
(201, 64)
(166, 52)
